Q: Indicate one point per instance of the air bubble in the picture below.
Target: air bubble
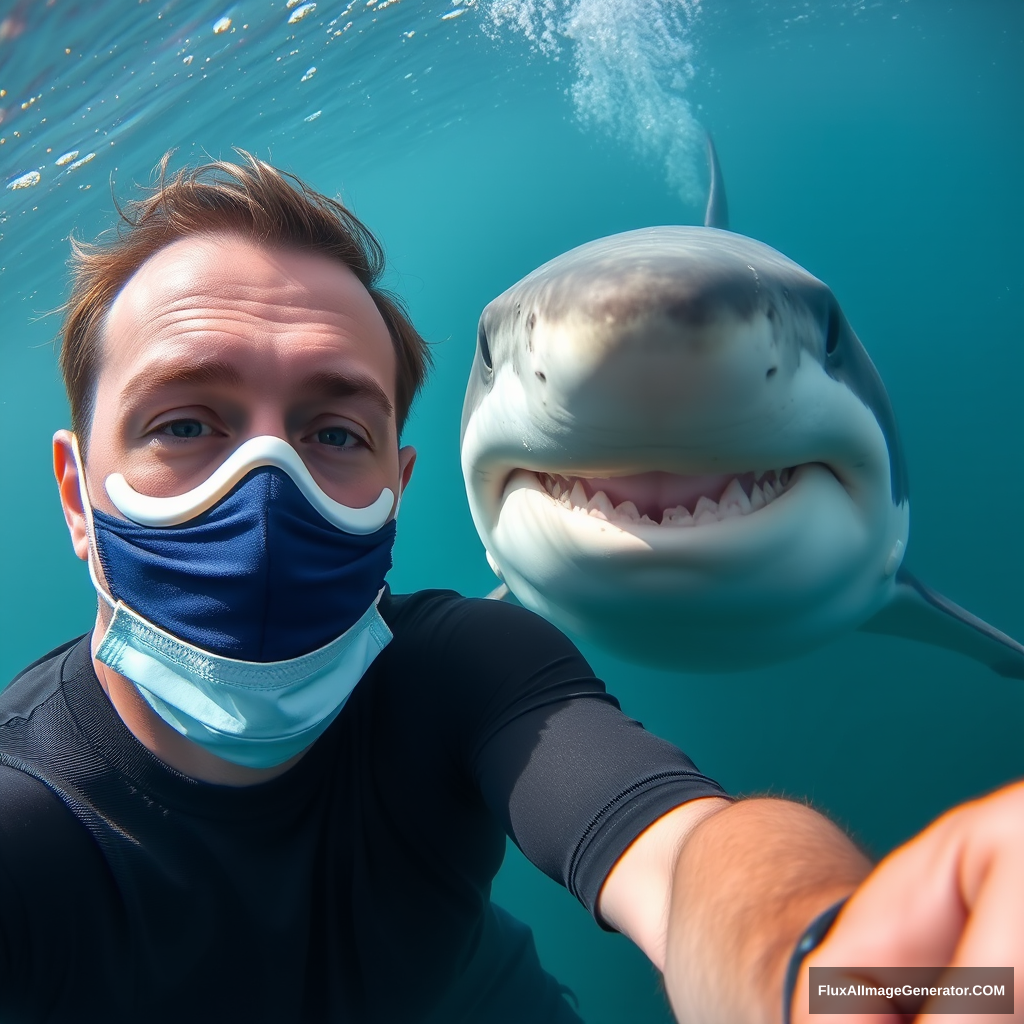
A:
(81, 162)
(300, 12)
(26, 180)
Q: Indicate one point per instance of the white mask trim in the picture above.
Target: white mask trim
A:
(257, 451)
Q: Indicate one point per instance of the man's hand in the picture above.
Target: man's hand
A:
(717, 896)
(747, 882)
(952, 896)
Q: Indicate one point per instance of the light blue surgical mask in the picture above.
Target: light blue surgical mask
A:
(257, 560)
(257, 714)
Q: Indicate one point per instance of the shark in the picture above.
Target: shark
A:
(675, 446)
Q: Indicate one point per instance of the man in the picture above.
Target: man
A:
(204, 817)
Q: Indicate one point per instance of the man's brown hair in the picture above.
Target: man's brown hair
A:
(249, 199)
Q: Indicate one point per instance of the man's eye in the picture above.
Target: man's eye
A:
(337, 437)
(186, 428)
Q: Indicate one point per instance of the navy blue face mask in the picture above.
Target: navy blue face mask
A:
(260, 576)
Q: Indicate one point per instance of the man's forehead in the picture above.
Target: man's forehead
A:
(227, 268)
(220, 285)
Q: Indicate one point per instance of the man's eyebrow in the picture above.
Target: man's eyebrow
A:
(209, 371)
(332, 384)
(329, 383)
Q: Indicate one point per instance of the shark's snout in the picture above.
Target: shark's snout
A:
(656, 371)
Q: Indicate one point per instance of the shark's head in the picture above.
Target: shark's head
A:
(675, 445)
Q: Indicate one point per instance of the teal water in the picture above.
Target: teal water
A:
(878, 144)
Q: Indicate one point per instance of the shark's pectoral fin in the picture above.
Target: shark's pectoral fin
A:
(500, 592)
(918, 613)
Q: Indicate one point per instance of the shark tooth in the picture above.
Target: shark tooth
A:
(705, 504)
(578, 496)
(757, 498)
(735, 497)
(627, 510)
(677, 516)
(599, 505)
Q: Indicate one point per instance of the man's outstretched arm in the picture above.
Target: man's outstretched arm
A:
(717, 896)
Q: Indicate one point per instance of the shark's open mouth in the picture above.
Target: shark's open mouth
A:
(668, 499)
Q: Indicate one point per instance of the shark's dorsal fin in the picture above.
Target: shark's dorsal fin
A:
(716, 215)
(918, 613)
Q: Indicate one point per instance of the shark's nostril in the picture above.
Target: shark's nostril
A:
(540, 376)
(772, 370)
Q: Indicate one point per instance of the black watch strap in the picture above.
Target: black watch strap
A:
(812, 937)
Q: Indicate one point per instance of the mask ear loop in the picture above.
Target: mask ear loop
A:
(90, 530)
(393, 518)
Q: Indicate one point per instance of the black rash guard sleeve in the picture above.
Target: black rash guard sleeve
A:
(572, 778)
(52, 879)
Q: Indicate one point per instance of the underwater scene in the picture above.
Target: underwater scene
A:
(879, 145)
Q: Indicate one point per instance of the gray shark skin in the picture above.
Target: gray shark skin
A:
(675, 445)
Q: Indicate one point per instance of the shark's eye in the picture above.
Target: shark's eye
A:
(832, 330)
(485, 349)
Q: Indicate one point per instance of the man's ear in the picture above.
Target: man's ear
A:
(66, 470)
(406, 461)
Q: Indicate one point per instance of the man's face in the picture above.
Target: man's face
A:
(216, 340)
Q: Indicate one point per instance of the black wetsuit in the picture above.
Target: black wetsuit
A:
(355, 887)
